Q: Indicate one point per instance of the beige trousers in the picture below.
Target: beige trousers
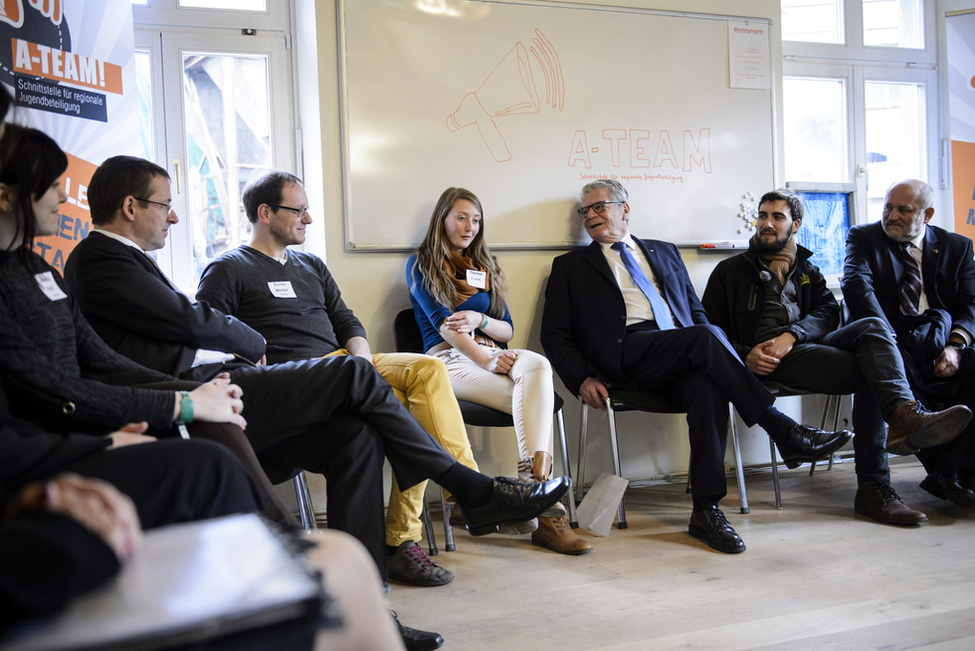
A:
(526, 392)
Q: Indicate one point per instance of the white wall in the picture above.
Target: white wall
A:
(373, 284)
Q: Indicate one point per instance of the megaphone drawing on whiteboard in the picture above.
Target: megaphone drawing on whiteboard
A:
(510, 90)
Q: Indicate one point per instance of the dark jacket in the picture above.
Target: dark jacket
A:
(735, 300)
(135, 309)
(584, 319)
(873, 273)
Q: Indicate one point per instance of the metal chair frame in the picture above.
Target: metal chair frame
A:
(303, 496)
(629, 400)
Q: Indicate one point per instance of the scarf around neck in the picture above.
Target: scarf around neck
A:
(456, 267)
(781, 262)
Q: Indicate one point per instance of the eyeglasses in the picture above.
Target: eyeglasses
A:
(300, 212)
(599, 207)
(168, 205)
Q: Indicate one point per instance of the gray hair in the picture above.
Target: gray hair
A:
(923, 193)
(616, 191)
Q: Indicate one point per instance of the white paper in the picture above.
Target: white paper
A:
(476, 279)
(598, 508)
(748, 53)
(282, 289)
(185, 576)
(49, 286)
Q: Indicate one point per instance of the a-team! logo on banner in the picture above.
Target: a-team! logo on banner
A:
(70, 67)
(32, 60)
(45, 74)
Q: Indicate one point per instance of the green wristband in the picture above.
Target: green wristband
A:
(185, 408)
(484, 322)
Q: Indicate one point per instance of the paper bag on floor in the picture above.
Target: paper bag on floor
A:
(598, 508)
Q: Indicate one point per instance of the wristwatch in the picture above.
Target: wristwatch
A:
(957, 344)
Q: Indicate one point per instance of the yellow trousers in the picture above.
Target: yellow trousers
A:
(421, 383)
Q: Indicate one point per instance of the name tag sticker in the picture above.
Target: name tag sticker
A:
(476, 279)
(282, 289)
(49, 286)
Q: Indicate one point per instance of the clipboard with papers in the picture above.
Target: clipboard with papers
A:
(188, 583)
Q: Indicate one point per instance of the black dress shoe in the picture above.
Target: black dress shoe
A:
(417, 640)
(810, 444)
(712, 527)
(945, 485)
(513, 501)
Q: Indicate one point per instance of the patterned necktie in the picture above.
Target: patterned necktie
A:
(910, 291)
(661, 313)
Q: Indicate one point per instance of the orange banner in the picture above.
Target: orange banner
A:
(75, 215)
(963, 176)
(50, 63)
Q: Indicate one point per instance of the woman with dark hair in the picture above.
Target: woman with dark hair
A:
(459, 296)
(56, 371)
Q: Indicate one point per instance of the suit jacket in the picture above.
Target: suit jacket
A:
(584, 320)
(138, 312)
(873, 273)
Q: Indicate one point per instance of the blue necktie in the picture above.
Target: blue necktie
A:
(661, 313)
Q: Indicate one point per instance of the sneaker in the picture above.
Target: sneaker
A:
(411, 565)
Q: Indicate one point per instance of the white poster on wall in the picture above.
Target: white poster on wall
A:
(748, 55)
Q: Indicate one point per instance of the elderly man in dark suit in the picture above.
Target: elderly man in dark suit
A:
(920, 280)
(622, 312)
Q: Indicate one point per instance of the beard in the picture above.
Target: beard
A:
(774, 246)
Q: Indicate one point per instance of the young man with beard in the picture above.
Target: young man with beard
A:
(782, 319)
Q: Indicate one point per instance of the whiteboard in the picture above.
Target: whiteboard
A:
(523, 103)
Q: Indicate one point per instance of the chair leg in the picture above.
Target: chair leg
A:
(614, 445)
(428, 528)
(448, 530)
(583, 434)
(570, 501)
(837, 403)
(739, 470)
(305, 510)
(775, 472)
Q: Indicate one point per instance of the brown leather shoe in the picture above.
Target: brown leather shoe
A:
(877, 500)
(911, 427)
(557, 535)
(540, 466)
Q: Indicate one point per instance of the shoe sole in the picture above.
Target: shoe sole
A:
(934, 433)
(700, 535)
(794, 463)
(494, 527)
(520, 529)
(542, 543)
(418, 584)
(865, 513)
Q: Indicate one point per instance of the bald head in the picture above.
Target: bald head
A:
(907, 208)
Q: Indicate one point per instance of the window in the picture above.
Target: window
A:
(814, 21)
(893, 23)
(816, 138)
(860, 109)
(216, 108)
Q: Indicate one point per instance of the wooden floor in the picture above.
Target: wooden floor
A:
(815, 576)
